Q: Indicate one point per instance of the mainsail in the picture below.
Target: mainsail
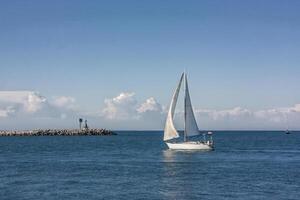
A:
(191, 128)
(170, 131)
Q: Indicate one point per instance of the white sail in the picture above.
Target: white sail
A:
(191, 128)
(170, 130)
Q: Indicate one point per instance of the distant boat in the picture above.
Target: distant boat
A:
(190, 124)
(287, 125)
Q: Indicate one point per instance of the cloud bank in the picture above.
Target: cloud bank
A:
(14, 102)
(122, 107)
(125, 110)
(125, 107)
(28, 109)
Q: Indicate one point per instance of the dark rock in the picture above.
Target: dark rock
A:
(58, 132)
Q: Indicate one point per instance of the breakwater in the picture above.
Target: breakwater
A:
(58, 132)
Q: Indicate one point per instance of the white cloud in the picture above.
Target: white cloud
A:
(29, 103)
(242, 118)
(295, 108)
(28, 109)
(150, 105)
(221, 114)
(34, 102)
(20, 101)
(275, 114)
(64, 102)
(6, 112)
(124, 111)
(151, 114)
(126, 107)
(279, 115)
(122, 107)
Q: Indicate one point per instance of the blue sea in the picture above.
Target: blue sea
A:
(138, 165)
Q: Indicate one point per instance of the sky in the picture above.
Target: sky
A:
(116, 63)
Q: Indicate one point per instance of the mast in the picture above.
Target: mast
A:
(185, 131)
(191, 127)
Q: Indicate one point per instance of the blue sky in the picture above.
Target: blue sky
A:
(238, 54)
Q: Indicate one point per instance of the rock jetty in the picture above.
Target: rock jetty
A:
(58, 132)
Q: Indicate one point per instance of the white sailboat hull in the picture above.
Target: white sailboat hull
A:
(190, 146)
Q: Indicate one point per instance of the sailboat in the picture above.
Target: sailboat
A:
(287, 131)
(171, 135)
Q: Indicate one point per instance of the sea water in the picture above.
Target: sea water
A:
(138, 165)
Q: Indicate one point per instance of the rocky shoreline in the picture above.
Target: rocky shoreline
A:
(58, 132)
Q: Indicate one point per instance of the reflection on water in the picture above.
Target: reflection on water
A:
(168, 155)
(170, 175)
(180, 170)
(176, 155)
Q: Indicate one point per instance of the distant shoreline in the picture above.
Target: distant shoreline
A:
(57, 132)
